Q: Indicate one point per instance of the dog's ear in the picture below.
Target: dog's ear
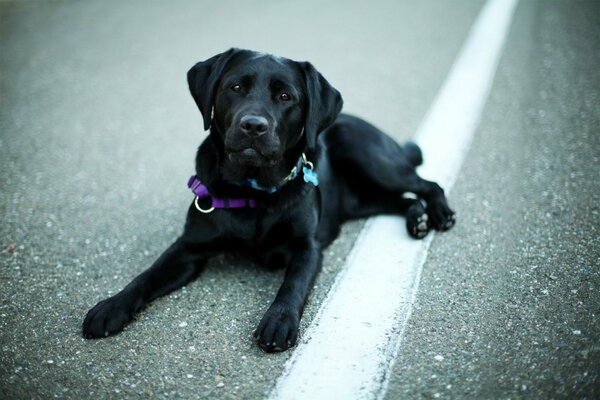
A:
(323, 104)
(203, 79)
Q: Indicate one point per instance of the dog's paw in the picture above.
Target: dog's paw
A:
(278, 329)
(441, 216)
(417, 221)
(109, 316)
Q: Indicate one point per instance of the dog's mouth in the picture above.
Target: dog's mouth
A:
(250, 157)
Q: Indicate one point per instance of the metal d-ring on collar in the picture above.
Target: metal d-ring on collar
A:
(201, 209)
(306, 162)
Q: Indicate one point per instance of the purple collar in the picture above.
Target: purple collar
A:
(201, 192)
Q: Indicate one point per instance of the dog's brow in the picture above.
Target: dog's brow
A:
(244, 79)
(281, 83)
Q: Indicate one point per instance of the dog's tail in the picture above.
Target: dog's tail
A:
(413, 153)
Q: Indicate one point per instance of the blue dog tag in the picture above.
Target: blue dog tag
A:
(310, 176)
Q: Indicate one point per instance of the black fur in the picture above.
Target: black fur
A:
(263, 113)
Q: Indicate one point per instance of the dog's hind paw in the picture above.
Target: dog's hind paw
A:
(441, 216)
(417, 221)
(419, 227)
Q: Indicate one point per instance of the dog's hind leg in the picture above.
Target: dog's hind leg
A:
(372, 163)
(376, 201)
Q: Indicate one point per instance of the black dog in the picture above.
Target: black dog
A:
(279, 173)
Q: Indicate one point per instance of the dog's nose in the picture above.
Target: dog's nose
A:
(254, 125)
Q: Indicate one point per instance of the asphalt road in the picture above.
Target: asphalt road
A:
(97, 139)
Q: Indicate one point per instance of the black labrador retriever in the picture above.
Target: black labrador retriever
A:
(280, 171)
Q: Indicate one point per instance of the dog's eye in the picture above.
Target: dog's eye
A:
(236, 87)
(285, 96)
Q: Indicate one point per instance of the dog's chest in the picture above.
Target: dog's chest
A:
(250, 226)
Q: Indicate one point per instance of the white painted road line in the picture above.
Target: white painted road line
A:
(349, 349)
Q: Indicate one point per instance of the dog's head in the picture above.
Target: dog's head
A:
(261, 107)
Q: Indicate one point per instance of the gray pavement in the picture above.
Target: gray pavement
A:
(97, 139)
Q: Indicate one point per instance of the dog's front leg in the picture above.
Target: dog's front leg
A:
(178, 265)
(278, 329)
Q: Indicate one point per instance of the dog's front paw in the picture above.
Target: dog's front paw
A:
(278, 329)
(441, 216)
(109, 316)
